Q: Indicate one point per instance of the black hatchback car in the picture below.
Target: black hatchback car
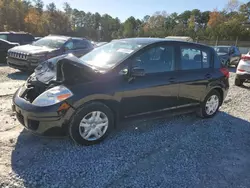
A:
(125, 78)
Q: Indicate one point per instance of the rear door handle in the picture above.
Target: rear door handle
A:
(172, 80)
(208, 76)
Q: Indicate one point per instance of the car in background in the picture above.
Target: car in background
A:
(98, 44)
(28, 57)
(21, 38)
(86, 97)
(180, 38)
(243, 70)
(4, 47)
(229, 55)
(37, 38)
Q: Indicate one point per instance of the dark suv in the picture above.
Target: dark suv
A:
(125, 78)
(27, 57)
(17, 37)
(230, 55)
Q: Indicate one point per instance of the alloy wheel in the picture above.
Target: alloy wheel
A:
(93, 125)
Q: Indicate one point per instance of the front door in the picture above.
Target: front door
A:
(194, 75)
(157, 89)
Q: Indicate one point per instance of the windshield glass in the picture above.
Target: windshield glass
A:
(51, 42)
(108, 55)
(222, 49)
(4, 37)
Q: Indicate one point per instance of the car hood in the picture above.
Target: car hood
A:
(64, 68)
(31, 49)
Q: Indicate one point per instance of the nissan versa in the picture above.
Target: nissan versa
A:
(125, 78)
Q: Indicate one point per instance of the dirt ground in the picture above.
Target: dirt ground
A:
(181, 151)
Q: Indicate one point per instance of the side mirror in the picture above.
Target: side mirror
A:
(124, 72)
(65, 49)
(138, 72)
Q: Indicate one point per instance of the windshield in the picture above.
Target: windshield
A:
(108, 55)
(51, 42)
(222, 49)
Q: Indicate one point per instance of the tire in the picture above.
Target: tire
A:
(238, 82)
(88, 111)
(202, 112)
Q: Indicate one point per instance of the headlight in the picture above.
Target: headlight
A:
(53, 96)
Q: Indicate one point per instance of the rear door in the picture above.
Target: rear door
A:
(194, 73)
(158, 89)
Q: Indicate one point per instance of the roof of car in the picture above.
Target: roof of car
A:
(66, 37)
(222, 46)
(13, 32)
(154, 40)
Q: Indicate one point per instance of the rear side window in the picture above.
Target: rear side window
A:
(4, 37)
(27, 38)
(194, 58)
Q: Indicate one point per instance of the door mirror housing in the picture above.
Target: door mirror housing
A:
(124, 72)
(137, 72)
(65, 49)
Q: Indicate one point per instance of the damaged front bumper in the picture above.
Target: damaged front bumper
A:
(45, 121)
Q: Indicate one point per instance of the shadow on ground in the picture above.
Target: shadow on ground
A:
(180, 151)
(19, 75)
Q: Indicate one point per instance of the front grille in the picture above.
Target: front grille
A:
(18, 55)
(33, 124)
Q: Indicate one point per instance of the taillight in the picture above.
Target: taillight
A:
(241, 70)
(245, 58)
(225, 72)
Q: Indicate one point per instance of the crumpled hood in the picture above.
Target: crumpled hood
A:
(48, 71)
(31, 49)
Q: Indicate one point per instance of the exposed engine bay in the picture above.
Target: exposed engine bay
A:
(66, 69)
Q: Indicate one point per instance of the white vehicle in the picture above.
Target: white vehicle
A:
(243, 70)
(180, 38)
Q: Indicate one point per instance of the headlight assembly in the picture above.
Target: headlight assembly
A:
(53, 96)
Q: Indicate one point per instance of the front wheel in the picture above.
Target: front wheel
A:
(91, 124)
(210, 106)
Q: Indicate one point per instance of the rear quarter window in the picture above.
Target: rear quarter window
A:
(195, 58)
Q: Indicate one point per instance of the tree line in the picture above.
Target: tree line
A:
(39, 19)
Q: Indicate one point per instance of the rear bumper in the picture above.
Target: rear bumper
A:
(45, 121)
(21, 64)
(243, 76)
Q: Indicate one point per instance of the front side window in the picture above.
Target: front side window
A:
(69, 45)
(194, 58)
(156, 60)
(110, 54)
(51, 42)
(80, 44)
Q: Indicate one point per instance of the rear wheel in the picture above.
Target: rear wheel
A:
(91, 124)
(238, 81)
(209, 107)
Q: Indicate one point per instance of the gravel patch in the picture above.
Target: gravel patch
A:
(179, 151)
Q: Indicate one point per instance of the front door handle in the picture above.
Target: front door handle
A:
(208, 76)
